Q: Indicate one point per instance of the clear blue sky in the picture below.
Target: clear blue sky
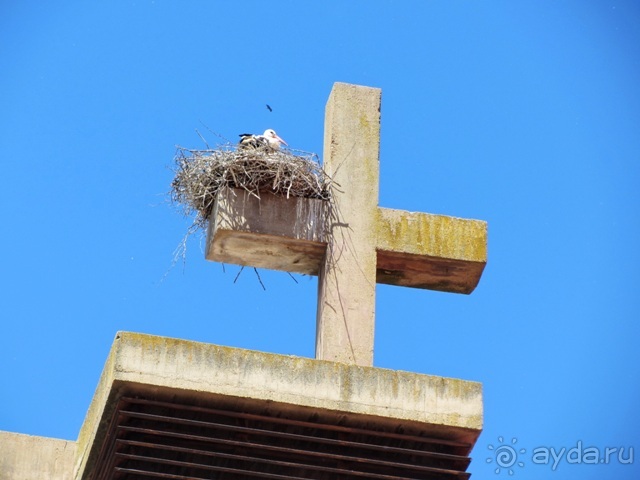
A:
(523, 114)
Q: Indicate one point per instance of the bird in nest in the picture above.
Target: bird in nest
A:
(268, 140)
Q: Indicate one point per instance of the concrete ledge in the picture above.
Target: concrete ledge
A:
(448, 408)
(26, 457)
(222, 370)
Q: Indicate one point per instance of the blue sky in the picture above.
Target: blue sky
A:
(523, 114)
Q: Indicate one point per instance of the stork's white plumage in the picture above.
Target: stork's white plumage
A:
(268, 139)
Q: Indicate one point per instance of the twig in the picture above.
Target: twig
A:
(203, 140)
(215, 133)
(259, 279)
(238, 275)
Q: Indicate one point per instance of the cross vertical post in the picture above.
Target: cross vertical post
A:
(347, 277)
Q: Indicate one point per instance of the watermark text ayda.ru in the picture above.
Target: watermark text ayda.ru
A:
(509, 457)
(580, 454)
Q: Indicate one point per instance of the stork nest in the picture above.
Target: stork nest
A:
(201, 174)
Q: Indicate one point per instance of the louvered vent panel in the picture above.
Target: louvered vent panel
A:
(151, 439)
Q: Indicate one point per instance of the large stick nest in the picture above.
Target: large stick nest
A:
(201, 174)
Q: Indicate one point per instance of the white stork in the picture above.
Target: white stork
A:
(268, 139)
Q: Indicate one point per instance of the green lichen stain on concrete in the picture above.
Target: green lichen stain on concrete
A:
(395, 382)
(369, 166)
(365, 125)
(461, 388)
(434, 235)
(346, 386)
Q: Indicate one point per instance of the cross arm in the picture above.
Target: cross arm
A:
(434, 252)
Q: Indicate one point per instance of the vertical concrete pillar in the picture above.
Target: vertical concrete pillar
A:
(347, 279)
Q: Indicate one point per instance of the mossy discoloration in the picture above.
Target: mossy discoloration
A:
(171, 363)
(365, 124)
(436, 235)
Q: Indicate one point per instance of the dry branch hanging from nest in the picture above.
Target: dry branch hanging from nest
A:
(200, 174)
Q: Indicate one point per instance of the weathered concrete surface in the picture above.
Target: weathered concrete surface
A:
(436, 252)
(26, 457)
(182, 364)
(447, 407)
(346, 287)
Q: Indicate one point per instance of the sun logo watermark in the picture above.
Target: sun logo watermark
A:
(508, 457)
(505, 456)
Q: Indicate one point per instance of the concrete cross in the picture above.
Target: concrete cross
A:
(352, 244)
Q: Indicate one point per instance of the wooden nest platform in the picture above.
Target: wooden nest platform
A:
(201, 174)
